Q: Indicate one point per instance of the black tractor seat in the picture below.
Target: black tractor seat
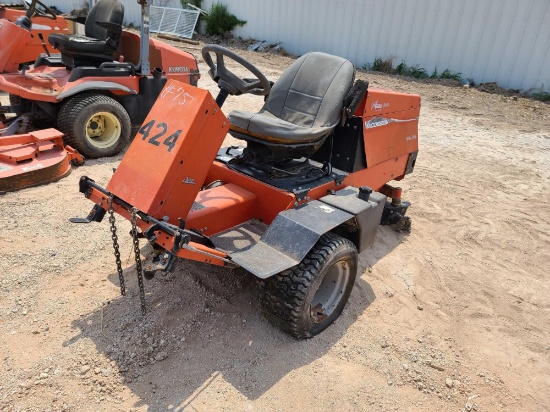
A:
(303, 107)
(103, 29)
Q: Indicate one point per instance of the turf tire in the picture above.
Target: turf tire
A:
(287, 296)
(76, 112)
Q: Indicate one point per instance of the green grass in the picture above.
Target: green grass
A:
(402, 69)
(220, 20)
(542, 96)
(447, 74)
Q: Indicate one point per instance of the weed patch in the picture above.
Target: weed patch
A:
(402, 69)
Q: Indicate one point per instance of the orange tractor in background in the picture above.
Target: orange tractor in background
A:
(44, 21)
(96, 90)
(294, 207)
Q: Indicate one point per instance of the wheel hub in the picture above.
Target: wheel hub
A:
(330, 292)
(103, 129)
(96, 126)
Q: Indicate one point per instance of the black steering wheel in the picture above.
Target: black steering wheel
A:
(32, 10)
(228, 81)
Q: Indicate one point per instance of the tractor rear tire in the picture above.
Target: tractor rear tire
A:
(94, 124)
(304, 300)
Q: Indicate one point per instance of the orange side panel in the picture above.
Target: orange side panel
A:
(40, 24)
(390, 125)
(391, 136)
(378, 175)
(382, 101)
(166, 164)
(177, 63)
(220, 208)
(18, 45)
(13, 40)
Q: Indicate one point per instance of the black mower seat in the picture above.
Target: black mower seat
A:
(304, 105)
(103, 29)
(74, 43)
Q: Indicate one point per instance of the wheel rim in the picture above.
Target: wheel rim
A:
(330, 292)
(103, 129)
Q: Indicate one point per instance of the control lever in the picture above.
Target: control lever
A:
(44, 44)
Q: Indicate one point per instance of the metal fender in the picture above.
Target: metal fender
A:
(351, 212)
(289, 238)
(94, 85)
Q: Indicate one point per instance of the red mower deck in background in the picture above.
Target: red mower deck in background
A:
(34, 158)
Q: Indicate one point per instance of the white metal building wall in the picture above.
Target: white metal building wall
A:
(132, 11)
(507, 41)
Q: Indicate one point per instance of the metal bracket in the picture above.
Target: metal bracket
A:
(159, 261)
(16, 124)
(338, 179)
(84, 185)
(301, 194)
(411, 162)
(150, 234)
(180, 239)
(393, 213)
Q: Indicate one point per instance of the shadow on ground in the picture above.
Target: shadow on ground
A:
(204, 323)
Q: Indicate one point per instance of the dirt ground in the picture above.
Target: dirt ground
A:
(454, 316)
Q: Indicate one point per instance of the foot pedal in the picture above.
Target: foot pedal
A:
(96, 215)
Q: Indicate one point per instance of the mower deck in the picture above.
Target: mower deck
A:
(33, 159)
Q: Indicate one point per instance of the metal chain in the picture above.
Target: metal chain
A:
(114, 236)
(138, 259)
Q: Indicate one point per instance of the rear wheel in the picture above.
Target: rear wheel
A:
(95, 125)
(305, 300)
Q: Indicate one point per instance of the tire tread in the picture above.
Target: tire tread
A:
(67, 118)
(285, 293)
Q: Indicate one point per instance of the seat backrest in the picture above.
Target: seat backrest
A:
(109, 11)
(311, 91)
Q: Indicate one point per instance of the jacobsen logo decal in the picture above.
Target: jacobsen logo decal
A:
(178, 69)
(382, 121)
(379, 106)
(376, 122)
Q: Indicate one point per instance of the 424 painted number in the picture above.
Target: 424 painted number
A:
(158, 131)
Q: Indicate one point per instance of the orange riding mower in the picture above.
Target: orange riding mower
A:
(294, 207)
(96, 90)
